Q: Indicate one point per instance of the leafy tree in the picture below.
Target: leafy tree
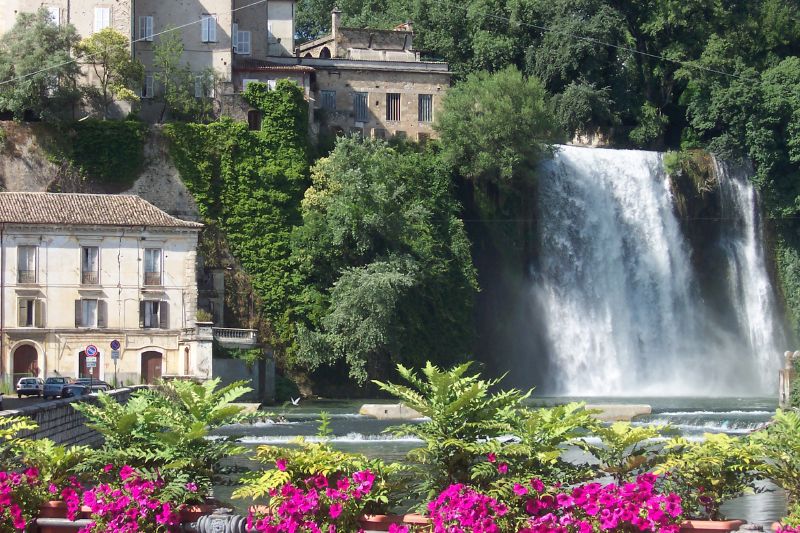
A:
(583, 109)
(624, 450)
(389, 277)
(118, 74)
(176, 79)
(36, 55)
(497, 127)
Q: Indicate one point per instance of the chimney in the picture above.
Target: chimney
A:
(336, 20)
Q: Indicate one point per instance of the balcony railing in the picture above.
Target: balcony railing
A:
(234, 335)
(26, 276)
(90, 278)
(152, 278)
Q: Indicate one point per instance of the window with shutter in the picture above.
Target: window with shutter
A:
(102, 18)
(360, 112)
(102, 314)
(328, 100)
(235, 38)
(146, 28)
(150, 314)
(25, 313)
(78, 314)
(55, 15)
(39, 314)
(208, 32)
(89, 313)
(243, 40)
(163, 314)
(152, 266)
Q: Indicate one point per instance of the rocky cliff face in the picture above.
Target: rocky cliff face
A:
(28, 162)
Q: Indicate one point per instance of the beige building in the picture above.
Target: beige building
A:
(84, 269)
(364, 81)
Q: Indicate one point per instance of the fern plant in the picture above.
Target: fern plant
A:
(10, 441)
(163, 433)
(537, 450)
(625, 450)
(464, 415)
(778, 446)
(708, 472)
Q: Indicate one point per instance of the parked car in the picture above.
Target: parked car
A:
(94, 384)
(30, 387)
(73, 391)
(53, 387)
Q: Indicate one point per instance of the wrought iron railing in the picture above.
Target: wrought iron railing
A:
(152, 278)
(90, 278)
(26, 276)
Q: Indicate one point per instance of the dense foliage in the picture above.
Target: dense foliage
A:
(249, 185)
(388, 276)
(38, 53)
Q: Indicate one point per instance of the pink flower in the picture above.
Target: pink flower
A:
(191, 487)
(519, 490)
(492, 457)
(280, 464)
(125, 472)
(502, 468)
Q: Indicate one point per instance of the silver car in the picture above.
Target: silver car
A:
(30, 387)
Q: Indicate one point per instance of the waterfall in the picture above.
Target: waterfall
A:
(622, 309)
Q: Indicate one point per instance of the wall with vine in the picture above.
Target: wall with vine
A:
(249, 185)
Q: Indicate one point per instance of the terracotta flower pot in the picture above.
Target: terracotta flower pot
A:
(58, 509)
(381, 522)
(710, 526)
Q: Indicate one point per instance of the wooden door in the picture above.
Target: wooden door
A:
(151, 367)
(83, 371)
(25, 362)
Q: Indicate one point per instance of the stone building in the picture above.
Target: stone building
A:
(365, 81)
(87, 269)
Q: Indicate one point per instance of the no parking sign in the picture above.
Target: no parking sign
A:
(91, 356)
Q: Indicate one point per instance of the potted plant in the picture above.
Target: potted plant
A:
(705, 474)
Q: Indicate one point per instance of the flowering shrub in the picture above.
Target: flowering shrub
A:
(129, 507)
(19, 498)
(318, 504)
(583, 509)
(459, 508)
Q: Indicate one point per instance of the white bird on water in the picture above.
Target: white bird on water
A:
(295, 401)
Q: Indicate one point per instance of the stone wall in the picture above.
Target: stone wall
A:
(60, 422)
(261, 376)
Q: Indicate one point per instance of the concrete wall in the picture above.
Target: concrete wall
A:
(60, 422)
(58, 342)
(261, 376)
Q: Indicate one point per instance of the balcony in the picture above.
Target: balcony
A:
(152, 278)
(26, 276)
(236, 337)
(90, 278)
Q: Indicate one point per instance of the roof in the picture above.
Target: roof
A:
(259, 65)
(85, 210)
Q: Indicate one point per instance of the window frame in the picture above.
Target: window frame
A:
(84, 302)
(55, 14)
(148, 87)
(146, 30)
(425, 114)
(98, 22)
(208, 31)
(148, 262)
(240, 49)
(393, 102)
(364, 97)
(36, 313)
(327, 96)
(31, 251)
(85, 271)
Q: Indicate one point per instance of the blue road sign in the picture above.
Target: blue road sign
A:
(91, 350)
(115, 344)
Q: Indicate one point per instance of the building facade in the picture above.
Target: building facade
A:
(85, 269)
(365, 81)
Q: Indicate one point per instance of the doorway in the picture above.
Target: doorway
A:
(84, 371)
(151, 367)
(25, 362)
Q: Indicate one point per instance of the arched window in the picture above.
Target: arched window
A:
(325, 53)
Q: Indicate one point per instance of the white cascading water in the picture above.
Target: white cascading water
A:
(623, 313)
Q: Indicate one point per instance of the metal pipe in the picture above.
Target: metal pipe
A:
(63, 523)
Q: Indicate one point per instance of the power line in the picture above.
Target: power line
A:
(141, 39)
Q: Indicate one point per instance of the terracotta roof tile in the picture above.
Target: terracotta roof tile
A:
(85, 210)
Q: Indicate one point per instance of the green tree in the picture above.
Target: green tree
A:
(497, 127)
(385, 259)
(118, 74)
(35, 54)
(176, 79)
